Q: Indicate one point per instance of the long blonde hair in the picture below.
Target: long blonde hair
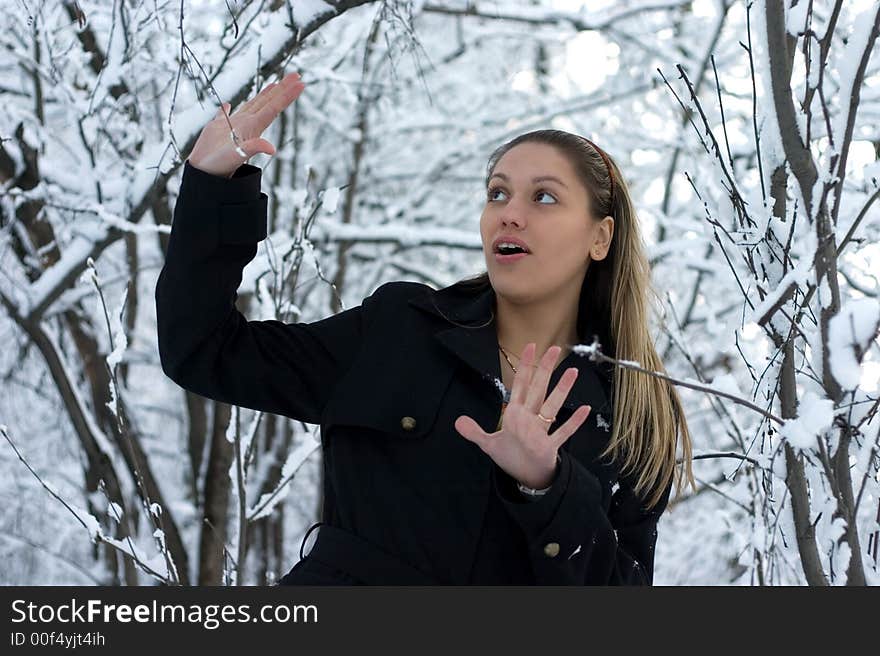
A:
(614, 305)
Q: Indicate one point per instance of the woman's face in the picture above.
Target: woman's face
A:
(535, 196)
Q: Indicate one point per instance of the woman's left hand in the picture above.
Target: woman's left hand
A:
(522, 447)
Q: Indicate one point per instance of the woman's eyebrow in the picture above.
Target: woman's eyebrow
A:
(540, 178)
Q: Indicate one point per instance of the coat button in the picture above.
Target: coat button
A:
(408, 423)
(551, 549)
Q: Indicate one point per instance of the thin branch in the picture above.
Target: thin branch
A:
(728, 454)
(95, 532)
(595, 355)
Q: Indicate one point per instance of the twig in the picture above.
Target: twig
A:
(95, 535)
(595, 355)
(125, 435)
(728, 454)
(242, 501)
(714, 488)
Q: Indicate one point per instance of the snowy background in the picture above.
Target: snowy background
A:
(747, 131)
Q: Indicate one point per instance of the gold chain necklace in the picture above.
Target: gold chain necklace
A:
(504, 403)
(504, 353)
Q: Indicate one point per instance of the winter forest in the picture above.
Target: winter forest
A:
(747, 130)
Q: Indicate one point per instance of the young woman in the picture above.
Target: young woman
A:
(446, 460)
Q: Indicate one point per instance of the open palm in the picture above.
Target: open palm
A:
(522, 447)
(229, 140)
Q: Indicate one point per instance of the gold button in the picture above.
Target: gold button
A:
(551, 549)
(408, 423)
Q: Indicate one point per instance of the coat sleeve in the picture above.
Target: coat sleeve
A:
(572, 540)
(205, 344)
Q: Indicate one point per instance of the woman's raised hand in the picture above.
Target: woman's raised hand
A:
(522, 447)
(218, 152)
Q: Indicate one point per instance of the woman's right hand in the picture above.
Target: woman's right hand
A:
(522, 446)
(217, 153)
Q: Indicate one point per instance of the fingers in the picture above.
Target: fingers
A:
(538, 384)
(255, 103)
(557, 397)
(561, 434)
(258, 145)
(249, 104)
(263, 97)
(268, 92)
(523, 374)
(277, 100)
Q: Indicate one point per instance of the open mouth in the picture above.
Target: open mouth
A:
(501, 256)
(508, 250)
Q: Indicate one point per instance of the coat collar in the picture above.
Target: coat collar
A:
(473, 338)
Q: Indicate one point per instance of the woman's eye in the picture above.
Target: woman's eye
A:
(491, 192)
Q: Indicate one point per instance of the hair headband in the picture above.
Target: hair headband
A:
(608, 166)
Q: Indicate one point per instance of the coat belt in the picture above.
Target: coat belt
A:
(364, 560)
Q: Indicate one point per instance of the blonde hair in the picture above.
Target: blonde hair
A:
(614, 305)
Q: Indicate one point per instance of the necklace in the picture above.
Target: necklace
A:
(504, 353)
(503, 402)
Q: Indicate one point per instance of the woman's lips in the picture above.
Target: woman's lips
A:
(507, 259)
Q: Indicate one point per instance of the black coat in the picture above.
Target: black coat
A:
(407, 499)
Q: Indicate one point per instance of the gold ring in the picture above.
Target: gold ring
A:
(549, 421)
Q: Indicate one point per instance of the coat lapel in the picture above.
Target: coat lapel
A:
(472, 337)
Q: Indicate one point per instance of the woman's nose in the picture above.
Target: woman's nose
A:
(512, 217)
(513, 214)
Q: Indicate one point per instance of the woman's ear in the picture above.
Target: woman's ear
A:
(603, 239)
